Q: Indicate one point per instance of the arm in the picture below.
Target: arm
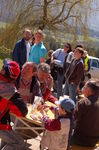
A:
(43, 55)
(51, 124)
(50, 81)
(64, 65)
(80, 110)
(77, 74)
(15, 56)
(17, 106)
(42, 59)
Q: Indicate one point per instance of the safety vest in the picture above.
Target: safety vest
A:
(86, 63)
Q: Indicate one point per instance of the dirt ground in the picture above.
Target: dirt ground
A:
(34, 143)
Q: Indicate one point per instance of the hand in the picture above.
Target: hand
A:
(50, 81)
(40, 107)
(43, 112)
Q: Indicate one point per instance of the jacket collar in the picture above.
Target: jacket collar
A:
(93, 98)
(23, 40)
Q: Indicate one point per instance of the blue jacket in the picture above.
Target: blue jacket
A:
(19, 53)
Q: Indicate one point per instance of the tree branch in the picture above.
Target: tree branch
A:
(49, 1)
(69, 11)
(63, 8)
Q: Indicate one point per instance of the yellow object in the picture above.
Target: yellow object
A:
(36, 115)
(86, 63)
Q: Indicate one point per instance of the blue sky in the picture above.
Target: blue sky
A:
(94, 17)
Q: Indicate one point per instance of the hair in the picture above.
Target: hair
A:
(44, 67)
(81, 50)
(79, 45)
(34, 66)
(50, 53)
(27, 29)
(94, 86)
(39, 31)
(69, 46)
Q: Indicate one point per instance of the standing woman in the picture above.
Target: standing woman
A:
(69, 57)
(58, 58)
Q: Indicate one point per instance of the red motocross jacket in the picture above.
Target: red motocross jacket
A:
(10, 101)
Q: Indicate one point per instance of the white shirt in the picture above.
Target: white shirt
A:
(28, 49)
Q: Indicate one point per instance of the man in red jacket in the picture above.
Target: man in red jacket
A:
(10, 101)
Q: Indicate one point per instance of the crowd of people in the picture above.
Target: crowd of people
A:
(30, 73)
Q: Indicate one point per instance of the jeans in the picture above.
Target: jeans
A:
(70, 89)
(60, 78)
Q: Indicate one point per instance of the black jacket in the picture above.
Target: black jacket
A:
(19, 53)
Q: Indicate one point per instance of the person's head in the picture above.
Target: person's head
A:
(85, 54)
(27, 34)
(66, 106)
(38, 36)
(91, 88)
(50, 53)
(43, 72)
(78, 53)
(10, 70)
(67, 47)
(29, 69)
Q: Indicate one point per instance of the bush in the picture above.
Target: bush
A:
(4, 52)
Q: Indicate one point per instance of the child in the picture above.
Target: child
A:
(59, 130)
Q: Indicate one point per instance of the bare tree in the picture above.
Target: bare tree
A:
(50, 14)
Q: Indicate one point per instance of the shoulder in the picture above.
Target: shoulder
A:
(65, 123)
(58, 51)
(20, 42)
(83, 102)
(80, 64)
(43, 47)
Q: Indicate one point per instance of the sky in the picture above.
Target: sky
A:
(94, 17)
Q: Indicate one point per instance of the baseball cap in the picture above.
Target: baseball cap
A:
(67, 104)
(12, 68)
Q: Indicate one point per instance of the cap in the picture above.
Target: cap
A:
(12, 68)
(67, 104)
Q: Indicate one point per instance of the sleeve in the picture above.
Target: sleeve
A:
(52, 99)
(43, 53)
(17, 106)
(46, 94)
(79, 110)
(52, 124)
(36, 91)
(79, 73)
(56, 53)
(64, 65)
(15, 53)
(81, 70)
